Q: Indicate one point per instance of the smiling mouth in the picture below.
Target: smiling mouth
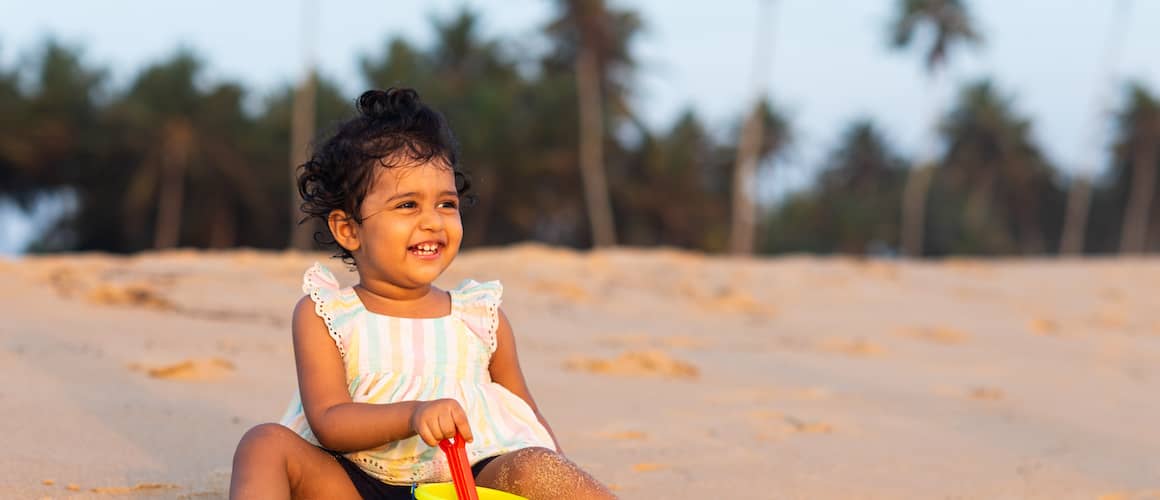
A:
(426, 249)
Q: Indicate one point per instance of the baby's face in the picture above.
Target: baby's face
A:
(411, 230)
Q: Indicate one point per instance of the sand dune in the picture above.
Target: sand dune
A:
(666, 373)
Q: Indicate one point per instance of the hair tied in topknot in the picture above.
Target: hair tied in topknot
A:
(392, 128)
(390, 103)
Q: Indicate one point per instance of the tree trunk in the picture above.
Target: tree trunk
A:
(175, 152)
(744, 224)
(301, 236)
(914, 209)
(1079, 199)
(592, 149)
(743, 233)
(1153, 234)
(1030, 232)
(918, 179)
(223, 231)
(301, 131)
(979, 207)
(480, 214)
(1134, 235)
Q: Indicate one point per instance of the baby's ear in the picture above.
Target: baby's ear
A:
(343, 229)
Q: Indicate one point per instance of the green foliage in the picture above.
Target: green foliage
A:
(1003, 181)
(854, 206)
(610, 31)
(122, 152)
(1137, 138)
(493, 111)
(948, 19)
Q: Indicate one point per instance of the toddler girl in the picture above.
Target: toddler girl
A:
(393, 365)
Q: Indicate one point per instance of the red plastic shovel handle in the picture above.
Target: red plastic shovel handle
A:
(456, 452)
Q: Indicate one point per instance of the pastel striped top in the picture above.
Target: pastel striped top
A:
(390, 359)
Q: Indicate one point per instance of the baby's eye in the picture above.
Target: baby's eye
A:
(448, 204)
(407, 204)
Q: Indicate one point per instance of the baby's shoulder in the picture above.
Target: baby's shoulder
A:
(477, 305)
(318, 280)
(470, 288)
(326, 304)
(472, 295)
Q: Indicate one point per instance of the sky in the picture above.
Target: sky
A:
(829, 61)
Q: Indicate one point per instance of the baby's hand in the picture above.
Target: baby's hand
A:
(440, 419)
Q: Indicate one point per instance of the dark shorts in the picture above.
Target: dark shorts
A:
(373, 489)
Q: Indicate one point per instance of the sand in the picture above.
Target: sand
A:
(665, 374)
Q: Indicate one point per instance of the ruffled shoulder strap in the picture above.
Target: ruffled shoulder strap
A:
(334, 304)
(477, 305)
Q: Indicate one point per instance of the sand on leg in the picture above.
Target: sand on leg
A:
(540, 473)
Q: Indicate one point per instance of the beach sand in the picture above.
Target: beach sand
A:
(664, 373)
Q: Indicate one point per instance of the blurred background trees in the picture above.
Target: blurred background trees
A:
(948, 24)
(556, 152)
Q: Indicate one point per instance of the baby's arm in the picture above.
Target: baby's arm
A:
(343, 425)
(505, 370)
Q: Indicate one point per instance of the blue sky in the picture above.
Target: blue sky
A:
(829, 64)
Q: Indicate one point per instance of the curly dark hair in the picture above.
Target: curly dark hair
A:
(392, 127)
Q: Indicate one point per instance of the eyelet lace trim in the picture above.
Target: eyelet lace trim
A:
(420, 472)
(434, 470)
(478, 305)
(493, 316)
(317, 280)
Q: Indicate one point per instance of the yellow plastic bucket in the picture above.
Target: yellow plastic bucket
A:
(446, 491)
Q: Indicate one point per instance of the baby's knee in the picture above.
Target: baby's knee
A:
(529, 463)
(266, 437)
(544, 473)
(542, 456)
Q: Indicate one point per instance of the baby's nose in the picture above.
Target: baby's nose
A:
(431, 221)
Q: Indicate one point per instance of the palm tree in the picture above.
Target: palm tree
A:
(992, 157)
(681, 163)
(176, 147)
(47, 133)
(52, 142)
(951, 25)
(302, 123)
(596, 40)
(186, 138)
(1080, 195)
(744, 214)
(1139, 125)
(13, 106)
(479, 90)
(853, 205)
(270, 136)
(861, 183)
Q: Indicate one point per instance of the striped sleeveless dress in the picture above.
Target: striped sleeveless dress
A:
(390, 359)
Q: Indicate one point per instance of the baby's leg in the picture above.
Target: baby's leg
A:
(540, 473)
(273, 462)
